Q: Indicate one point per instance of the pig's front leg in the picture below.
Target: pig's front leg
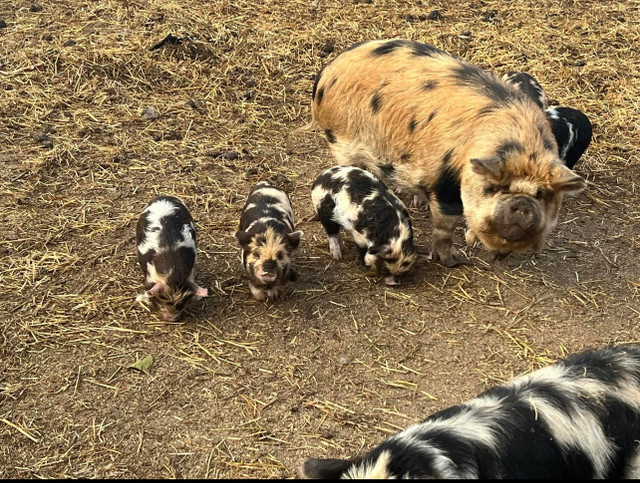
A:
(444, 223)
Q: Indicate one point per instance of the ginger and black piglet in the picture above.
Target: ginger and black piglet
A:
(354, 199)
(267, 238)
(425, 121)
(167, 252)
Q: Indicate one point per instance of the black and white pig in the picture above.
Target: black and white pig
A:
(356, 200)
(572, 130)
(268, 240)
(578, 418)
(167, 253)
(571, 127)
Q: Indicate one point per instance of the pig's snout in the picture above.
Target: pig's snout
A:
(268, 271)
(270, 266)
(518, 219)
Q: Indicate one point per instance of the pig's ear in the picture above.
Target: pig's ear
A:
(149, 294)
(566, 181)
(244, 238)
(489, 166)
(325, 469)
(293, 239)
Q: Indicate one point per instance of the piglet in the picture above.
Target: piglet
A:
(267, 238)
(356, 200)
(167, 252)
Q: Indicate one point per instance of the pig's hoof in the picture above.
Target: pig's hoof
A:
(419, 201)
(453, 260)
(500, 255)
(272, 293)
(470, 237)
(258, 294)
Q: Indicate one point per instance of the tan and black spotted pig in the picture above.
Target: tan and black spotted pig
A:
(424, 120)
(267, 239)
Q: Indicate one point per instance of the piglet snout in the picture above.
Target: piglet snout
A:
(391, 280)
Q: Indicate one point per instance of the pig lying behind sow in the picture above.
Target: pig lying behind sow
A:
(423, 120)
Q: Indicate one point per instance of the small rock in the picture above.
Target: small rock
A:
(229, 164)
(250, 172)
(250, 83)
(47, 144)
(435, 15)
(281, 179)
(48, 37)
(35, 8)
(157, 137)
(250, 94)
(194, 104)
(69, 43)
(465, 34)
(41, 137)
(187, 169)
(422, 17)
(3, 24)
(173, 136)
(410, 18)
(326, 49)
(120, 158)
(215, 154)
(149, 113)
(230, 155)
(289, 151)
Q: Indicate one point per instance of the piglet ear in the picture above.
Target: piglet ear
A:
(325, 469)
(293, 239)
(244, 238)
(149, 294)
(490, 166)
(566, 181)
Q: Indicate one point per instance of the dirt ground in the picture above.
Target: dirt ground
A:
(93, 124)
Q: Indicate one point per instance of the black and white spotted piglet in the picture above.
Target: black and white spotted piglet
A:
(356, 200)
(571, 127)
(268, 240)
(167, 252)
(578, 418)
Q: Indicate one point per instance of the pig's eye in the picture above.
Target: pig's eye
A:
(539, 194)
(280, 255)
(256, 253)
(406, 263)
(495, 188)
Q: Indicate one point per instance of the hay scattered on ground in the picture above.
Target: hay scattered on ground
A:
(95, 123)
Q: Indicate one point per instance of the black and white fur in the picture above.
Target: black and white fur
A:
(571, 127)
(267, 238)
(572, 130)
(356, 200)
(578, 418)
(167, 252)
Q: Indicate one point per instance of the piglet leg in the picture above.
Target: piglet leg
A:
(334, 247)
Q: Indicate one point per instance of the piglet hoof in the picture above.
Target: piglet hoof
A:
(272, 293)
(258, 294)
(391, 280)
